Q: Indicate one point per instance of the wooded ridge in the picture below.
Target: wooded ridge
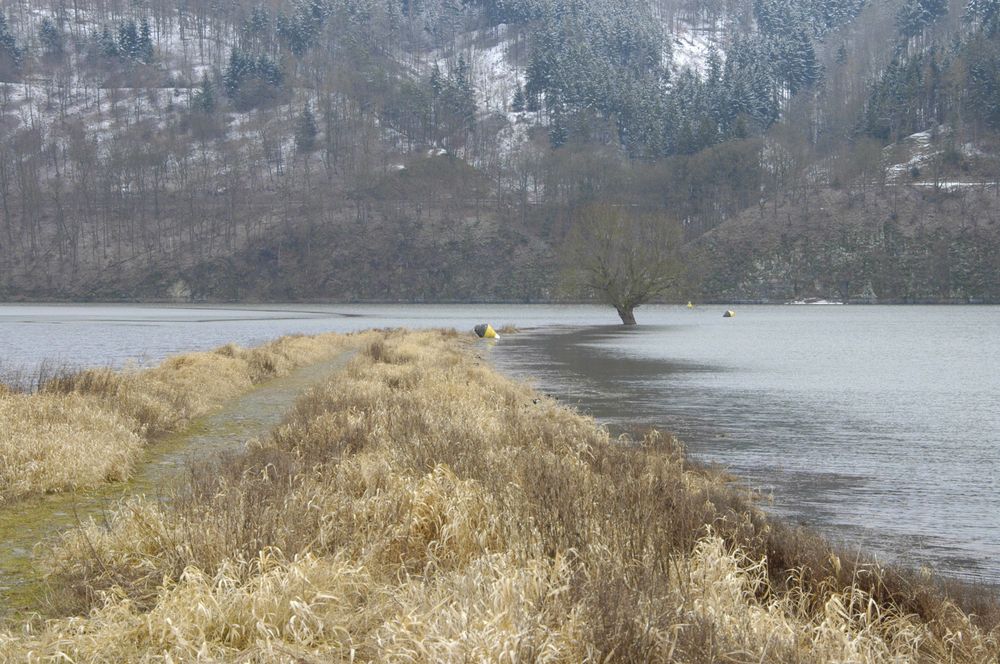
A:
(351, 150)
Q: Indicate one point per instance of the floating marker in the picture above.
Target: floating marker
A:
(729, 314)
(485, 331)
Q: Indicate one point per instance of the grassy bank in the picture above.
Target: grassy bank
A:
(422, 508)
(85, 427)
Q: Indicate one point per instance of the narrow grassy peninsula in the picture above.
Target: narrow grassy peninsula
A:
(87, 427)
(421, 508)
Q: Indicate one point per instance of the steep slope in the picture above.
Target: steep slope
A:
(353, 150)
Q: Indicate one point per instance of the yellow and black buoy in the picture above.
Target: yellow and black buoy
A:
(486, 331)
(729, 314)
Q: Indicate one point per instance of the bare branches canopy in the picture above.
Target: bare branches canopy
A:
(622, 256)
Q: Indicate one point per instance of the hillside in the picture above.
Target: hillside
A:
(350, 150)
(904, 244)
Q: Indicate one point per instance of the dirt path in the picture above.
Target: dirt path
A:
(24, 525)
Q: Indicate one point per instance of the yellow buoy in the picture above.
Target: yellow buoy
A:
(690, 305)
(729, 314)
(486, 331)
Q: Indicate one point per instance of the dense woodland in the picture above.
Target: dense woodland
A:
(442, 149)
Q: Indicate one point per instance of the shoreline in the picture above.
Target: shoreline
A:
(203, 303)
(822, 462)
(457, 513)
(96, 422)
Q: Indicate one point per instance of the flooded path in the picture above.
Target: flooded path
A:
(24, 525)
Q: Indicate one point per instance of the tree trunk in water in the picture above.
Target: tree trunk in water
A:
(628, 318)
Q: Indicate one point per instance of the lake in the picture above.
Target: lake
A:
(113, 335)
(879, 426)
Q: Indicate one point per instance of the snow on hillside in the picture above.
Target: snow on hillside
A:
(911, 153)
(491, 57)
(912, 161)
(181, 57)
(691, 46)
(494, 76)
(488, 54)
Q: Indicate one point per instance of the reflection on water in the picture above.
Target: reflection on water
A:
(880, 426)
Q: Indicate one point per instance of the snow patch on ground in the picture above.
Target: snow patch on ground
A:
(917, 150)
(691, 46)
(44, 102)
(909, 157)
(691, 49)
(970, 150)
(953, 185)
(494, 77)
(516, 131)
(487, 54)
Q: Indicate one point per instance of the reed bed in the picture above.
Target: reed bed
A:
(80, 428)
(422, 508)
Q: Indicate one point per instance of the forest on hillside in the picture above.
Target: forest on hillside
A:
(400, 149)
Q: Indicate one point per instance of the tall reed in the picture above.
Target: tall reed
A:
(422, 508)
(80, 428)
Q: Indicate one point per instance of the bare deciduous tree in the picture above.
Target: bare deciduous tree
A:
(624, 257)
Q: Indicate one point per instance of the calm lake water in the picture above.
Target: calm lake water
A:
(112, 335)
(880, 426)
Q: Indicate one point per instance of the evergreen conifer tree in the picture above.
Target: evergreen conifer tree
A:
(517, 105)
(107, 43)
(842, 54)
(128, 40)
(51, 37)
(802, 69)
(986, 12)
(984, 87)
(11, 55)
(145, 44)
(258, 21)
(306, 131)
(436, 80)
(915, 15)
(204, 98)
(558, 132)
(236, 70)
(9, 49)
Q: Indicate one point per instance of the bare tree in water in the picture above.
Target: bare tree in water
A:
(624, 257)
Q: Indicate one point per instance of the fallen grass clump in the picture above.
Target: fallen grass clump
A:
(422, 508)
(85, 427)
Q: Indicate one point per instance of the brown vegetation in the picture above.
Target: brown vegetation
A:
(622, 258)
(423, 508)
(896, 242)
(83, 428)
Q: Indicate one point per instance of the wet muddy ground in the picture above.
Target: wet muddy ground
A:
(27, 525)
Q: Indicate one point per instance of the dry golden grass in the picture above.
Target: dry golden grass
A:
(422, 508)
(87, 427)
(61, 441)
